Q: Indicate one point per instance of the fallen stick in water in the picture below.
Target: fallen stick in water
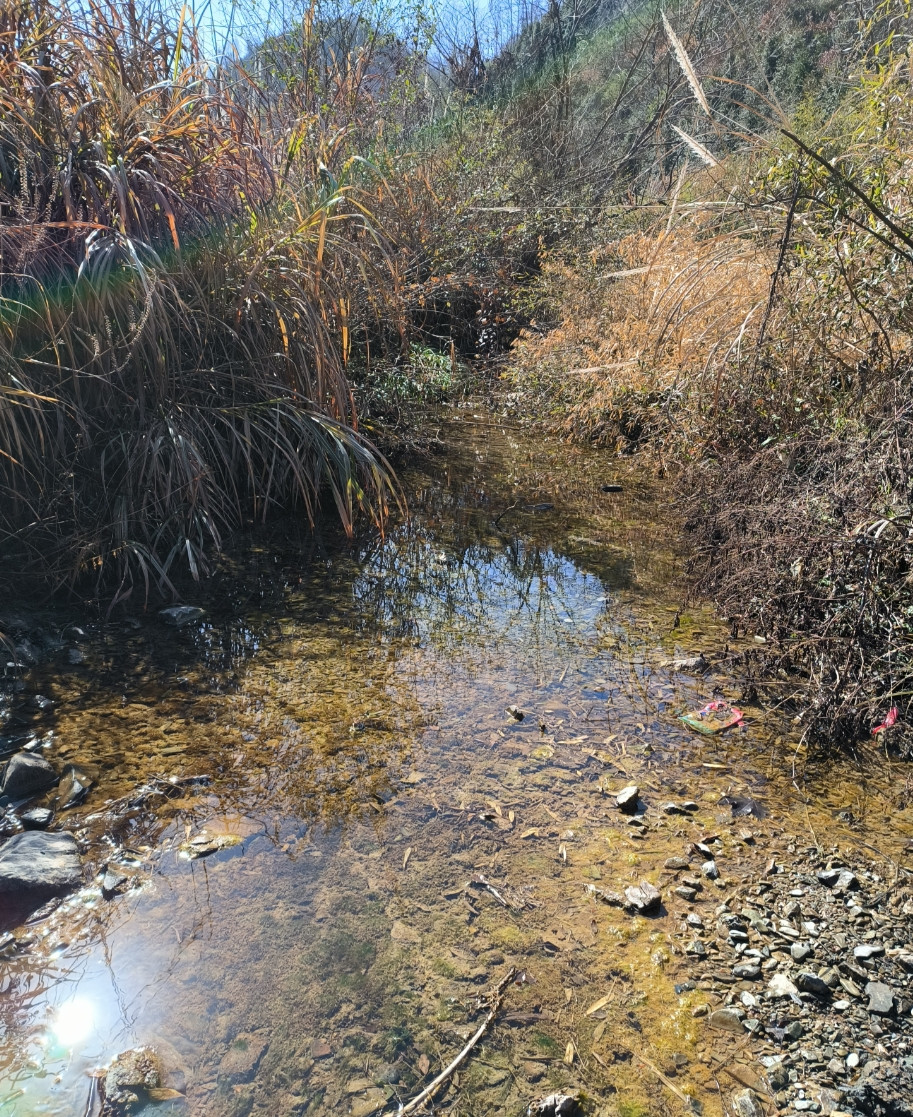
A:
(431, 1088)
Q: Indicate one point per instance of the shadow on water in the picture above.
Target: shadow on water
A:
(345, 707)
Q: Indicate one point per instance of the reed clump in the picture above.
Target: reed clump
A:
(186, 258)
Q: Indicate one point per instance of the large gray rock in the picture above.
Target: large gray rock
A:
(35, 861)
(26, 775)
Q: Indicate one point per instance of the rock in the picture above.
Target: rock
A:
(73, 788)
(402, 932)
(795, 1030)
(685, 893)
(35, 861)
(729, 1019)
(693, 919)
(745, 1104)
(829, 1100)
(852, 1060)
(555, 1105)
(799, 951)
(112, 881)
(611, 488)
(675, 863)
(38, 818)
(710, 871)
(810, 983)
(881, 998)
(689, 663)
(781, 986)
(26, 775)
(241, 1059)
(179, 615)
(828, 877)
(626, 799)
(534, 1072)
(644, 898)
(697, 949)
(747, 971)
(846, 881)
(374, 1100)
(868, 950)
(130, 1077)
(671, 808)
(516, 713)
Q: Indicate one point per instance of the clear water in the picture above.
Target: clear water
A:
(350, 704)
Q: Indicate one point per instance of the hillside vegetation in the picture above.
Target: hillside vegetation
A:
(746, 325)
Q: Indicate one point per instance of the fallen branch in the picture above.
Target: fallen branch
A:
(680, 1094)
(497, 998)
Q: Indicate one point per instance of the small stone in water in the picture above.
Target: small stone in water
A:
(626, 799)
(179, 615)
(38, 818)
(74, 787)
(643, 898)
(112, 881)
(26, 775)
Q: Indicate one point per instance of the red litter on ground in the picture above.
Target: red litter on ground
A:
(888, 721)
(715, 717)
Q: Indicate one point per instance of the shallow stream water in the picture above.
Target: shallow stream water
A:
(349, 702)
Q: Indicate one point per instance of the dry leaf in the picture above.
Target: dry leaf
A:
(423, 1065)
(601, 1003)
(569, 1052)
(511, 817)
(531, 833)
(163, 1093)
(406, 856)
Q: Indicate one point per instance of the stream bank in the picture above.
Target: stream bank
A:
(330, 834)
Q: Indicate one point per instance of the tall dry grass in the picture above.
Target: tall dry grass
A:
(184, 260)
(753, 335)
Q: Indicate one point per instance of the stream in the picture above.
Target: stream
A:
(408, 749)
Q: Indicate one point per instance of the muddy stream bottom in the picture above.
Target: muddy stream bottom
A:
(411, 749)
